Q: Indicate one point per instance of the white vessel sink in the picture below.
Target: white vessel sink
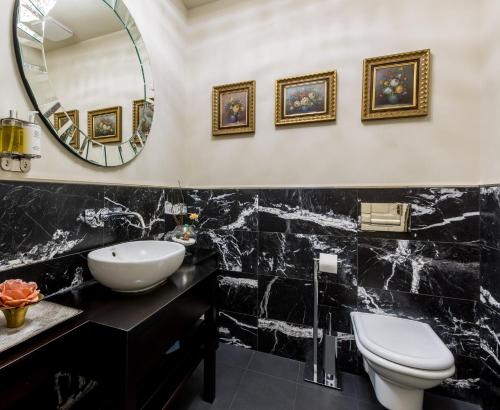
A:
(132, 267)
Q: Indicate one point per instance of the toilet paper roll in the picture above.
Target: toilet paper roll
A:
(328, 263)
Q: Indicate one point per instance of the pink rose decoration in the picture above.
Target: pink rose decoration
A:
(17, 293)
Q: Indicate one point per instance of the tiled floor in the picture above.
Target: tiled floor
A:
(248, 380)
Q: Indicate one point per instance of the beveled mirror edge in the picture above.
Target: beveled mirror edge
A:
(84, 148)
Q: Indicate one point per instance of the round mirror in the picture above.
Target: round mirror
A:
(87, 72)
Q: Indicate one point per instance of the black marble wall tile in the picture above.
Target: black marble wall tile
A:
(292, 256)
(443, 269)
(308, 211)
(490, 216)
(237, 249)
(53, 276)
(465, 383)
(148, 202)
(238, 329)
(42, 220)
(337, 295)
(328, 212)
(237, 292)
(437, 214)
(490, 277)
(224, 209)
(284, 339)
(348, 357)
(489, 321)
(452, 319)
(279, 209)
(288, 300)
(337, 317)
(489, 308)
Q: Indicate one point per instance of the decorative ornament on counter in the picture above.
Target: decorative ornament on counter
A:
(184, 232)
(15, 298)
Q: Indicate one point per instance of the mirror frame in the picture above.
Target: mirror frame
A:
(135, 144)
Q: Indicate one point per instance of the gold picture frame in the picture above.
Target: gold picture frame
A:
(306, 99)
(396, 86)
(105, 125)
(61, 118)
(136, 115)
(233, 109)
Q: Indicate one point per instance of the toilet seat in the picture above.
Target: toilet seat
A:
(403, 346)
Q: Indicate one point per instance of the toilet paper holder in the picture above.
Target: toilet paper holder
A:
(325, 373)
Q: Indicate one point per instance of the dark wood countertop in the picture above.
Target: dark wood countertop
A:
(120, 312)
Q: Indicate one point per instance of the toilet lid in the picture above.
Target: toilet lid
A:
(402, 341)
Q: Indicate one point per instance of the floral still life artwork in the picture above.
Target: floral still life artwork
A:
(308, 98)
(105, 125)
(233, 108)
(396, 86)
(305, 99)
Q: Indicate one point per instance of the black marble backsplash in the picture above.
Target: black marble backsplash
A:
(45, 237)
(444, 272)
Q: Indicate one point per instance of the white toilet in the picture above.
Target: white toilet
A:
(402, 357)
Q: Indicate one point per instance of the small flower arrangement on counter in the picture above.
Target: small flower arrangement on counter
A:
(184, 232)
(15, 298)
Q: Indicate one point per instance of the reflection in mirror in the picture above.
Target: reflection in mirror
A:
(86, 69)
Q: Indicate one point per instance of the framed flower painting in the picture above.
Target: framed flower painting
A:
(308, 98)
(396, 86)
(233, 109)
(105, 125)
(62, 118)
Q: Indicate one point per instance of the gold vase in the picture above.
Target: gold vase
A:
(15, 317)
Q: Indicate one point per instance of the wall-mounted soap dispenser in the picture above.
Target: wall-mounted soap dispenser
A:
(20, 141)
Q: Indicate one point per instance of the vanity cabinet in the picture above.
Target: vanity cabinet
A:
(128, 351)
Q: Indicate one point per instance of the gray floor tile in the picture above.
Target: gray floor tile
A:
(234, 356)
(308, 399)
(364, 405)
(275, 366)
(348, 382)
(258, 391)
(364, 390)
(435, 402)
(228, 380)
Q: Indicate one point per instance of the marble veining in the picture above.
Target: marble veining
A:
(420, 267)
(59, 244)
(238, 329)
(237, 292)
(237, 249)
(291, 255)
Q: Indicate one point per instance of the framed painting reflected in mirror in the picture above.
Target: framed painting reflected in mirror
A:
(61, 118)
(105, 125)
(146, 115)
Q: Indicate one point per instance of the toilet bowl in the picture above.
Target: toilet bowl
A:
(402, 358)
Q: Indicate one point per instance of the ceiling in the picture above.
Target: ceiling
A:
(87, 19)
(191, 4)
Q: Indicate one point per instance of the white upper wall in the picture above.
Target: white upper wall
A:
(266, 40)
(227, 41)
(163, 27)
(490, 92)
